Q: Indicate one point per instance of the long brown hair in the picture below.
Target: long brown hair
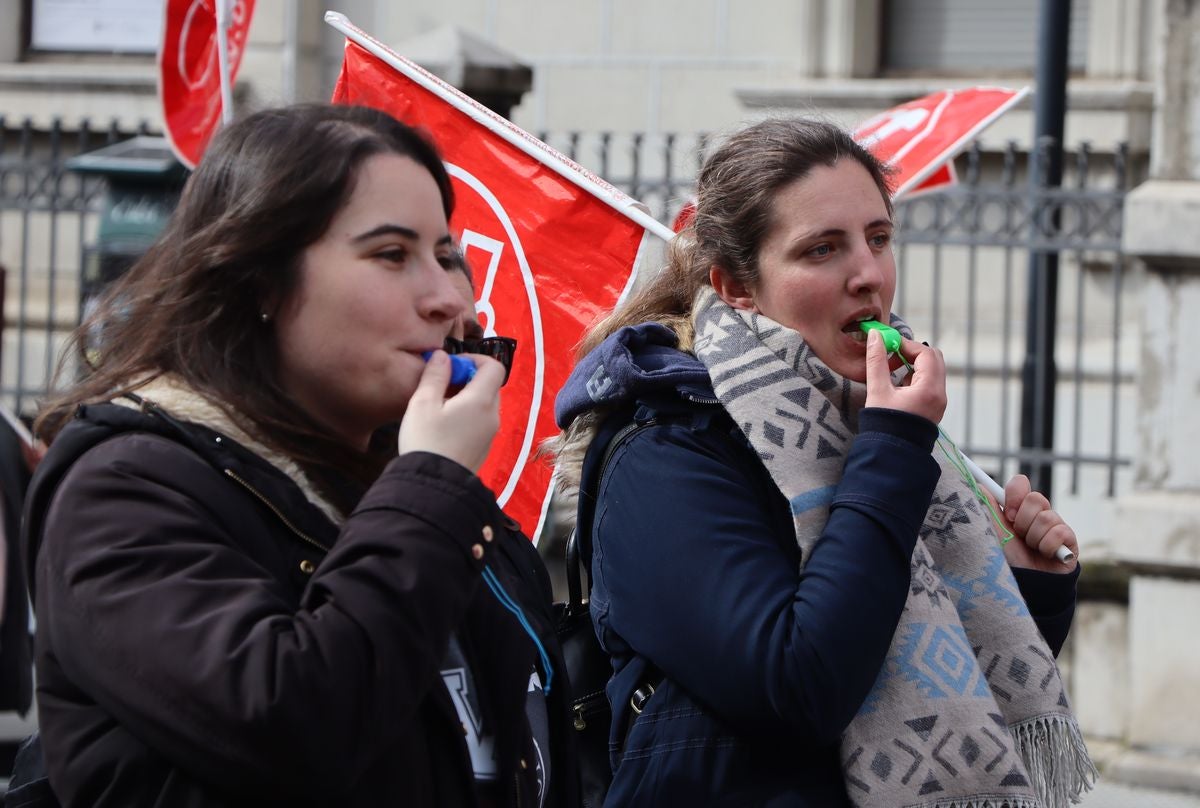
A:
(192, 306)
(735, 211)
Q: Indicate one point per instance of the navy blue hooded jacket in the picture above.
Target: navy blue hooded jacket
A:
(697, 589)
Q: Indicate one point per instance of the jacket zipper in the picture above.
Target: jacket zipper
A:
(270, 505)
(701, 399)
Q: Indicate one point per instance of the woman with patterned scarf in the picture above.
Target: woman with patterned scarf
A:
(804, 602)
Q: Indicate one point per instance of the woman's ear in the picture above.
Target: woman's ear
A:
(268, 308)
(732, 291)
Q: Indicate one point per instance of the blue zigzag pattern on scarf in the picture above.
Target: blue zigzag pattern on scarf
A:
(816, 498)
(939, 661)
(995, 584)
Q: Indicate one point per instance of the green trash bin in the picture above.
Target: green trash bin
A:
(144, 182)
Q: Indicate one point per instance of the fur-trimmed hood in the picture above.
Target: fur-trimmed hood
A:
(179, 400)
(631, 362)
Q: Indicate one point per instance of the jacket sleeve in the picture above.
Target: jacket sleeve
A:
(1050, 597)
(151, 609)
(700, 581)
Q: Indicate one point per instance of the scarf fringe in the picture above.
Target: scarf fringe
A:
(984, 802)
(1056, 759)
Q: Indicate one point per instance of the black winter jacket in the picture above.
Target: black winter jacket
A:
(207, 637)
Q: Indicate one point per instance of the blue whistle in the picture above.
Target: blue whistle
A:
(462, 370)
(891, 337)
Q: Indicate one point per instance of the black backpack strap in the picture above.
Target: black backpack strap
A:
(579, 545)
(575, 600)
(586, 662)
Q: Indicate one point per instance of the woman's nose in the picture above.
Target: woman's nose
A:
(867, 273)
(442, 300)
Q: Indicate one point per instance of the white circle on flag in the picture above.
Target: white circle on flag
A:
(194, 83)
(535, 317)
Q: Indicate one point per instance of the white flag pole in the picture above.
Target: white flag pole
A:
(503, 128)
(17, 425)
(291, 49)
(223, 60)
(1063, 553)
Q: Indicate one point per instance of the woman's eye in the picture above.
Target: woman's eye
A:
(881, 240)
(394, 255)
(820, 251)
(448, 261)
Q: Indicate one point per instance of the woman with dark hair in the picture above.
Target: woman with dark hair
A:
(804, 603)
(244, 596)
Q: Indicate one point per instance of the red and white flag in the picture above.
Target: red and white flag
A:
(920, 138)
(553, 247)
(189, 70)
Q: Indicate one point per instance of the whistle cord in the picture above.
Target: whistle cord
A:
(956, 459)
(508, 603)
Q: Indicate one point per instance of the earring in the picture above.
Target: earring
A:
(266, 318)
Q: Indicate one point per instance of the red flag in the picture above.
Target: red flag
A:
(552, 247)
(189, 81)
(685, 215)
(920, 138)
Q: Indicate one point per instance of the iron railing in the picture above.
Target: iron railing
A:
(962, 256)
(48, 215)
(976, 238)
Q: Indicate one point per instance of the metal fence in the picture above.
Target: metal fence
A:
(962, 256)
(48, 217)
(965, 258)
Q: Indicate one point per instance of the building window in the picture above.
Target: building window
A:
(103, 26)
(971, 36)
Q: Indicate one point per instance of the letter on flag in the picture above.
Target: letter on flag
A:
(552, 248)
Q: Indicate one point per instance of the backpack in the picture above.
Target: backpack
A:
(588, 670)
(587, 663)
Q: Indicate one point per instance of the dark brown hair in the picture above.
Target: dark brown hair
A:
(268, 187)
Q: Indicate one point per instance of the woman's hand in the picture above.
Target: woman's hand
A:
(1038, 530)
(462, 426)
(925, 392)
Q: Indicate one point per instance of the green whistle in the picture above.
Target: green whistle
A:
(891, 337)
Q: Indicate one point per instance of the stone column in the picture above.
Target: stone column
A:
(272, 49)
(1157, 530)
(13, 12)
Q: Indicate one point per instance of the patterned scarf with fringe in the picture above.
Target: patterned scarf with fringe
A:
(968, 710)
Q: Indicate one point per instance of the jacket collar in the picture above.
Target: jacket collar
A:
(173, 395)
